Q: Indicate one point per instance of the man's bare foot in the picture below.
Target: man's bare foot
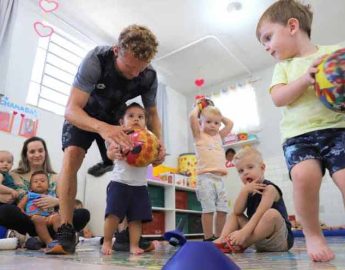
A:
(136, 250)
(107, 248)
(318, 250)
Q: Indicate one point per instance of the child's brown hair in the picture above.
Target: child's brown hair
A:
(283, 10)
(39, 172)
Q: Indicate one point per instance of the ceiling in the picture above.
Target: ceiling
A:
(198, 38)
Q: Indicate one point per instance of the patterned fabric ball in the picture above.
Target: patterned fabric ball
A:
(145, 149)
(330, 81)
(204, 102)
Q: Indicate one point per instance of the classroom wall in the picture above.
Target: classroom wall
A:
(331, 204)
(15, 77)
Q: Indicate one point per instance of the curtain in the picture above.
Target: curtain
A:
(240, 105)
(6, 13)
(162, 102)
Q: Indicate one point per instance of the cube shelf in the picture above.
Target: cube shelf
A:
(166, 210)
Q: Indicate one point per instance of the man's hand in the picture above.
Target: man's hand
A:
(118, 135)
(161, 155)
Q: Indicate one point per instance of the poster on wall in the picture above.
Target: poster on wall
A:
(18, 119)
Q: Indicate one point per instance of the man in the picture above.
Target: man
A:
(106, 79)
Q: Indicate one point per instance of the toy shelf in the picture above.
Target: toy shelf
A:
(240, 143)
(178, 202)
(165, 212)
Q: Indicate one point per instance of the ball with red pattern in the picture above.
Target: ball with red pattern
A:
(145, 149)
(330, 81)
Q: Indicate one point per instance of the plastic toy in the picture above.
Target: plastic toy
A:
(199, 256)
(176, 237)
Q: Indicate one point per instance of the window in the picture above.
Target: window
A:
(239, 104)
(56, 62)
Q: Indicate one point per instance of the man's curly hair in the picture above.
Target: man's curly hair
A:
(140, 41)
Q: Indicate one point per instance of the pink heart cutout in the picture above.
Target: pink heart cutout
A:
(48, 5)
(199, 82)
(43, 30)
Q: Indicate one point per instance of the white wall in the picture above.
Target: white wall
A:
(15, 77)
(331, 206)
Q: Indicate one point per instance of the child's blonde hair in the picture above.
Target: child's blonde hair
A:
(6, 153)
(283, 10)
(248, 151)
(210, 110)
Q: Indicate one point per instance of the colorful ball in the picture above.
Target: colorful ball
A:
(330, 81)
(145, 149)
(204, 102)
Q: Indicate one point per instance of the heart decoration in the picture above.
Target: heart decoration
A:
(199, 82)
(48, 5)
(43, 30)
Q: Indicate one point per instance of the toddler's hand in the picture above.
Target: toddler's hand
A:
(255, 187)
(114, 151)
(309, 76)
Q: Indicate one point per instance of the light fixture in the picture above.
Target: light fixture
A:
(233, 6)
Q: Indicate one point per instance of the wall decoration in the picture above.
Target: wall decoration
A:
(199, 82)
(28, 126)
(17, 119)
(47, 6)
(6, 120)
(43, 30)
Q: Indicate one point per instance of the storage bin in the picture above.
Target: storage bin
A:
(181, 199)
(194, 223)
(182, 221)
(157, 225)
(193, 203)
(156, 194)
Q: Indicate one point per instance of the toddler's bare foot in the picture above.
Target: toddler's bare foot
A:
(219, 241)
(318, 250)
(136, 250)
(107, 248)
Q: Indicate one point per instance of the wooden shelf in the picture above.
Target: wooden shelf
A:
(95, 193)
(240, 143)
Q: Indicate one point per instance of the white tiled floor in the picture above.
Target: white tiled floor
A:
(88, 256)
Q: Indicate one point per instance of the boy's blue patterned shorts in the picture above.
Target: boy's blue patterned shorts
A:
(327, 146)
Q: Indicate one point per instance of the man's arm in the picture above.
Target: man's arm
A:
(155, 126)
(76, 115)
(154, 123)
